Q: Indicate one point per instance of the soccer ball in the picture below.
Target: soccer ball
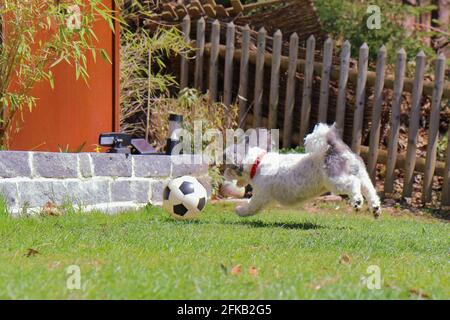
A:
(184, 197)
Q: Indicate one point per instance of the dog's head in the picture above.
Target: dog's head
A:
(239, 157)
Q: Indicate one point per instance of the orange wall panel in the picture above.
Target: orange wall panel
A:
(74, 113)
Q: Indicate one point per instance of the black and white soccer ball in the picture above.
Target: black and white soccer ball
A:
(184, 197)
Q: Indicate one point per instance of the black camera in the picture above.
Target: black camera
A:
(124, 143)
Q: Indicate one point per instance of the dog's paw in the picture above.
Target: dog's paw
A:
(245, 211)
(357, 203)
(376, 210)
(241, 211)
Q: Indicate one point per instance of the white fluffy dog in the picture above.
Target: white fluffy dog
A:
(327, 165)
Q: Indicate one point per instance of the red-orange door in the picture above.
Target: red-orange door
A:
(74, 113)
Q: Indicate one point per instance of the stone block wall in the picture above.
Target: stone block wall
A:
(109, 182)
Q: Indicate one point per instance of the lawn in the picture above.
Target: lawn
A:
(320, 252)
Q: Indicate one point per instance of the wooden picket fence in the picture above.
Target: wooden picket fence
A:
(343, 75)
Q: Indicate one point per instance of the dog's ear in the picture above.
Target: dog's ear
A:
(336, 130)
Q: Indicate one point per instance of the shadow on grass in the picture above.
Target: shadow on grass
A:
(253, 224)
(282, 225)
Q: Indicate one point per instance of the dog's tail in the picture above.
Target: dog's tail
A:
(319, 139)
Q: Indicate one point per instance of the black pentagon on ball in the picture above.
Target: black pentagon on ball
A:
(166, 193)
(187, 187)
(201, 203)
(180, 209)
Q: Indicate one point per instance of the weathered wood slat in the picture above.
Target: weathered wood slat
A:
(307, 88)
(335, 72)
(414, 117)
(433, 132)
(395, 120)
(376, 114)
(275, 79)
(186, 28)
(214, 61)
(445, 199)
(325, 80)
(360, 98)
(149, 91)
(243, 76)
(290, 91)
(259, 77)
(200, 52)
(343, 78)
(228, 73)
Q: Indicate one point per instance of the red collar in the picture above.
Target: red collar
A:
(256, 164)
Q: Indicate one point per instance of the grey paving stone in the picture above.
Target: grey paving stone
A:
(38, 193)
(10, 193)
(157, 190)
(188, 165)
(55, 165)
(121, 191)
(85, 165)
(112, 165)
(130, 190)
(140, 191)
(151, 166)
(88, 192)
(14, 164)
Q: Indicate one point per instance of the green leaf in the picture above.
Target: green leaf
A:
(105, 55)
(51, 80)
(94, 54)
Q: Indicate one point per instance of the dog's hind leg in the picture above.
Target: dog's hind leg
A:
(349, 185)
(256, 203)
(371, 195)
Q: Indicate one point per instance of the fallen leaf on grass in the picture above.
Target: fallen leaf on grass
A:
(419, 293)
(236, 269)
(253, 271)
(51, 209)
(31, 252)
(345, 259)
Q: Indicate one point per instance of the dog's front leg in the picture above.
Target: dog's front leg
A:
(255, 204)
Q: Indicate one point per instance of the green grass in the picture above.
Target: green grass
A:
(297, 254)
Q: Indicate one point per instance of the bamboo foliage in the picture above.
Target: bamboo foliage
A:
(71, 39)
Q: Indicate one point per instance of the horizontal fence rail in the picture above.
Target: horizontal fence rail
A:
(252, 77)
